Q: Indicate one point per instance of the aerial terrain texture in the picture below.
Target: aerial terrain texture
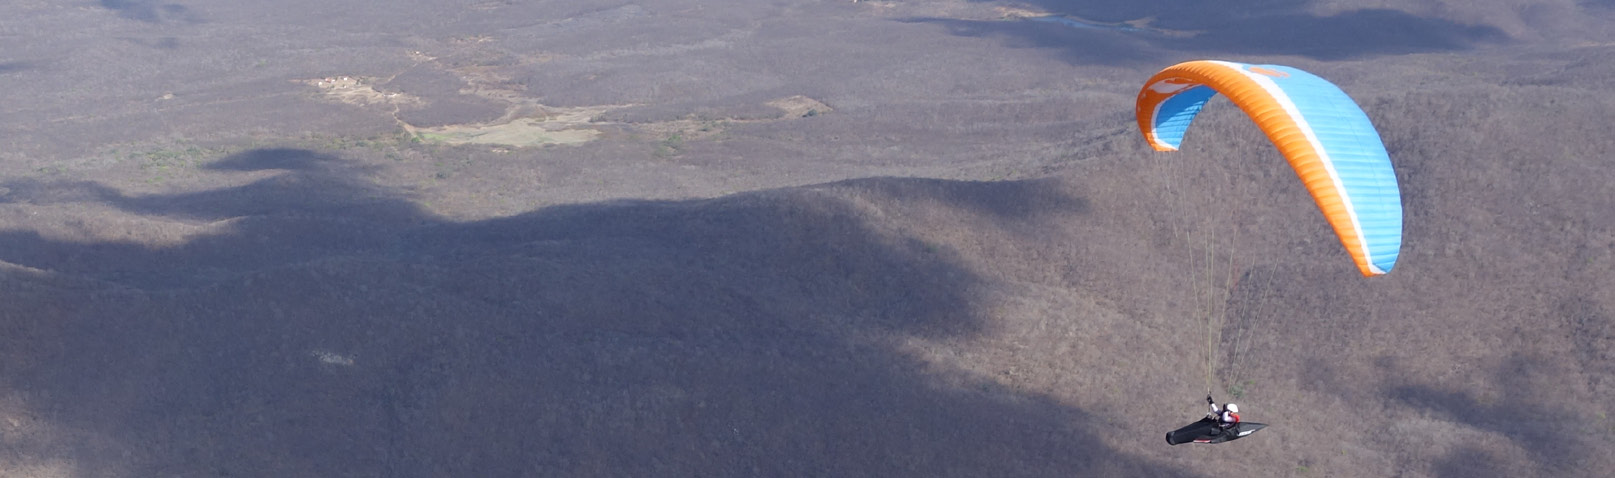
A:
(770, 238)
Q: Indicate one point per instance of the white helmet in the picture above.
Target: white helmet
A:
(1232, 408)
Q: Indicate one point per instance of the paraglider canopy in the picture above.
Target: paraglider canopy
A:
(1323, 134)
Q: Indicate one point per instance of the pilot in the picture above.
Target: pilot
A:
(1227, 416)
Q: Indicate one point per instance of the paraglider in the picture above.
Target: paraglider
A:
(1221, 425)
(1327, 140)
(1206, 431)
(1323, 134)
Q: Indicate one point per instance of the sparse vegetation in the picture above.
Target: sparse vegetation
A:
(670, 146)
(1237, 390)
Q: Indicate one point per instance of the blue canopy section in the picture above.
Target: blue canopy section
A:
(1173, 119)
(1357, 156)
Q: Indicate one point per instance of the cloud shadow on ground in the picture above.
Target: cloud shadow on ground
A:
(151, 11)
(1518, 412)
(324, 325)
(1098, 34)
(14, 66)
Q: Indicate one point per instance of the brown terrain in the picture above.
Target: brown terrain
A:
(510, 238)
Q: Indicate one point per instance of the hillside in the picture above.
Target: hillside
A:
(876, 238)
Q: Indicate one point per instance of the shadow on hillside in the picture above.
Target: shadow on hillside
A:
(151, 11)
(1076, 45)
(1405, 413)
(1591, 331)
(1471, 462)
(320, 325)
(1097, 34)
(1518, 413)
